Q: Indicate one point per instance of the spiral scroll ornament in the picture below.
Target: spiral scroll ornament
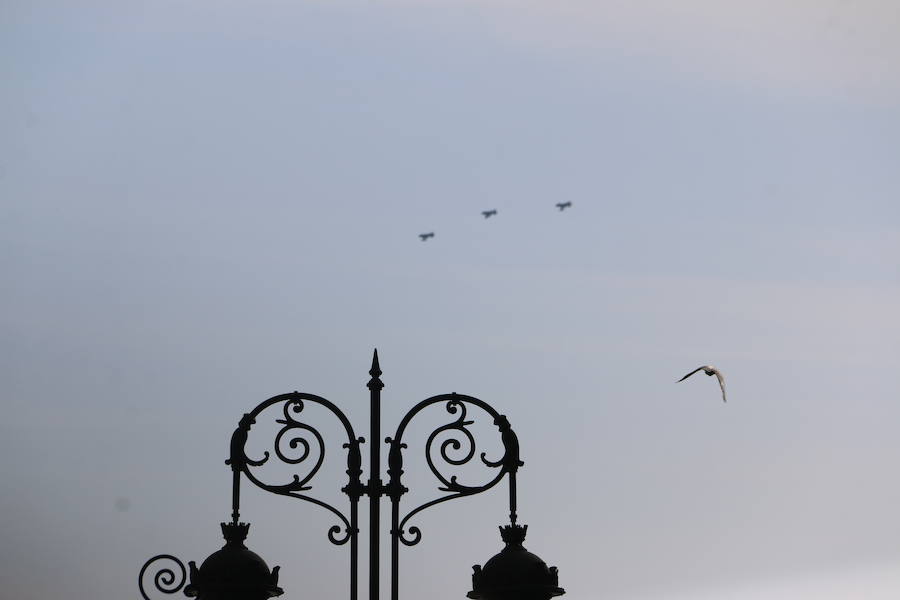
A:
(454, 445)
(164, 575)
(464, 439)
(457, 450)
(299, 444)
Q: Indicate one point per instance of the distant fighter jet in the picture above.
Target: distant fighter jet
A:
(563, 205)
(425, 236)
(709, 370)
(489, 213)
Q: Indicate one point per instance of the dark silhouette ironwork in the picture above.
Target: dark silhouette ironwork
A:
(164, 579)
(514, 573)
(298, 443)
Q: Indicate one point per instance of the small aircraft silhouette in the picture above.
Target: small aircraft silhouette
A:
(710, 371)
(425, 236)
(489, 213)
(563, 205)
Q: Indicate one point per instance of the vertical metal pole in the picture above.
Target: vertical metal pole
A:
(354, 489)
(395, 490)
(354, 550)
(235, 496)
(395, 548)
(512, 498)
(238, 461)
(375, 485)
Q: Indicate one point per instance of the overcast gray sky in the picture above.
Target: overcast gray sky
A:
(206, 203)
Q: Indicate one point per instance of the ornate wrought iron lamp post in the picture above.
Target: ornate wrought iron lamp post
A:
(236, 573)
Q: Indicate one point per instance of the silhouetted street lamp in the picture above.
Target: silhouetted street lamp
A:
(236, 573)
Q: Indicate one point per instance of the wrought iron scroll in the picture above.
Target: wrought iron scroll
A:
(165, 579)
(457, 450)
(298, 443)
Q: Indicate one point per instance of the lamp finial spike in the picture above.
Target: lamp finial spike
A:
(375, 372)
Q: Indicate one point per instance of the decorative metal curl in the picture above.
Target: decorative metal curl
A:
(338, 541)
(291, 424)
(462, 441)
(417, 536)
(460, 425)
(298, 436)
(165, 579)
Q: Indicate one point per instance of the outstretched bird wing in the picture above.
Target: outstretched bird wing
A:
(721, 383)
(691, 373)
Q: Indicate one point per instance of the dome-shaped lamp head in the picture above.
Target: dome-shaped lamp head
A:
(234, 572)
(514, 573)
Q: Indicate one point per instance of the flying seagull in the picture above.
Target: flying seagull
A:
(709, 370)
(563, 205)
(425, 236)
(489, 213)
